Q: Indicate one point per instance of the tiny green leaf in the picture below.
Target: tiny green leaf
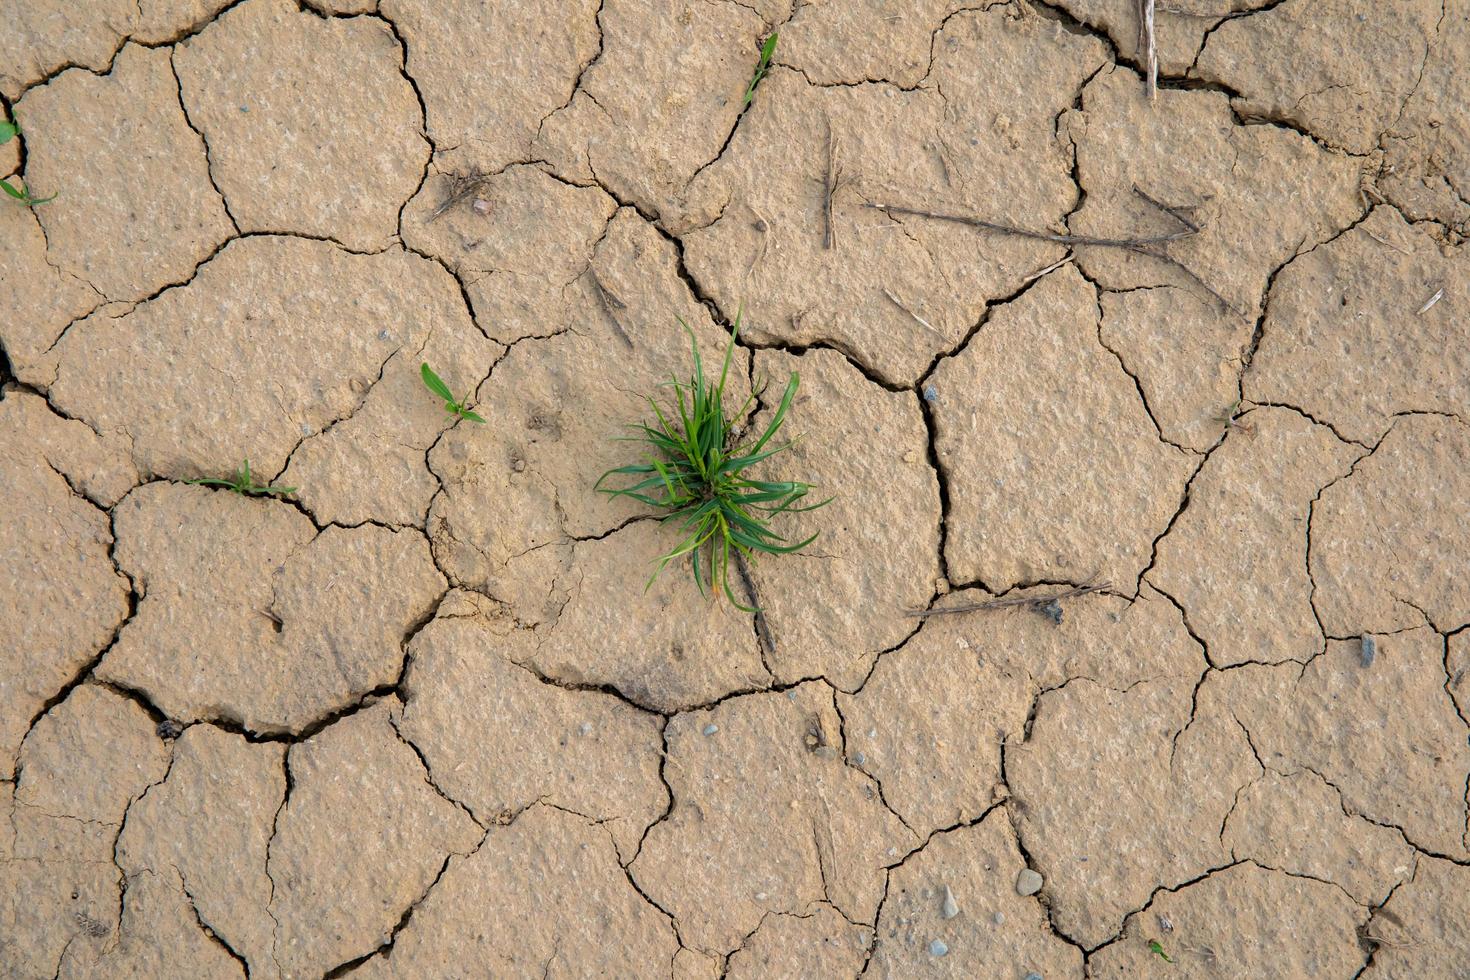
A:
(762, 68)
(1155, 948)
(432, 382)
(8, 131)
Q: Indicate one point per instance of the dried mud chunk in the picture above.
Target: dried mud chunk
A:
(1386, 737)
(499, 739)
(96, 467)
(849, 43)
(140, 212)
(1341, 69)
(1184, 352)
(518, 489)
(210, 822)
(542, 897)
(259, 84)
(361, 839)
(1389, 540)
(1457, 666)
(39, 298)
(1119, 793)
(1422, 927)
(819, 944)
(1263, 194)
(665, 647)
(490, 73)
(1243, 921)
(1180, 26)
(754, 222)
(273, 341)
(1296, 823)
(659, 99)
(61, 596)
(921, 728)
(1055, 470)
(1344, 340)
(1236, 557)
(831, 609)
(249, 615)
(772, 773)
(82, 764)
(44, 36)
(1427, 153)
(158, 936)
(527, 277)
(998, 933)
(81, 767)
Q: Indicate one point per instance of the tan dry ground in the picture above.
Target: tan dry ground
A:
(422, 721)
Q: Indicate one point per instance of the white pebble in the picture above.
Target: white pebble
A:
(1028, 882)
(711, 728)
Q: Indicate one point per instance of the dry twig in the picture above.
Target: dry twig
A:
(1009, 601)
(461, 186)
(1150, 245)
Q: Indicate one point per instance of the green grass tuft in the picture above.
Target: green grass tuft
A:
(438, 387)
(696, 471)
(244, 484)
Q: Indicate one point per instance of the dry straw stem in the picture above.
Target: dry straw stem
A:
(1149, 43)
(1438, 295)
(1006, 603)
(830, 180)
(610, 305)
(916, 318)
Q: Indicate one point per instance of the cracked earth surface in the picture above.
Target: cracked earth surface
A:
(420, 719)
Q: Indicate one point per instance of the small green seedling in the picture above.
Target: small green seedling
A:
(696, 472)
(762, 68)
(244, 484)
(438, 387)
(1155, 948)
(8, 131)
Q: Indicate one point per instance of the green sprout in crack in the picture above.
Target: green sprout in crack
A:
(762, 68)
(696, 471)
(8, 131)
(438, 387)
(244, 484)
(1158, 950)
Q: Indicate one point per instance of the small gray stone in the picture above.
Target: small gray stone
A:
(860, 759)
(949, 908)
(711, 728)
(1028, 882)
(1370, 650)
(931, 393)
(1032, 976)
(585, 728)
(937, 948)
(998, 918)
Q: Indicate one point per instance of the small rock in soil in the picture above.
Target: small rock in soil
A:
(711, 728)
(938, 948)
(1028, 882)
(1370, 650)
(949, 909)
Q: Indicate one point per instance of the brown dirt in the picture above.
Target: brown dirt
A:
(422, 719)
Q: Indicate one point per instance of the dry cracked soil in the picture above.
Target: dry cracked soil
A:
(1135, 641)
